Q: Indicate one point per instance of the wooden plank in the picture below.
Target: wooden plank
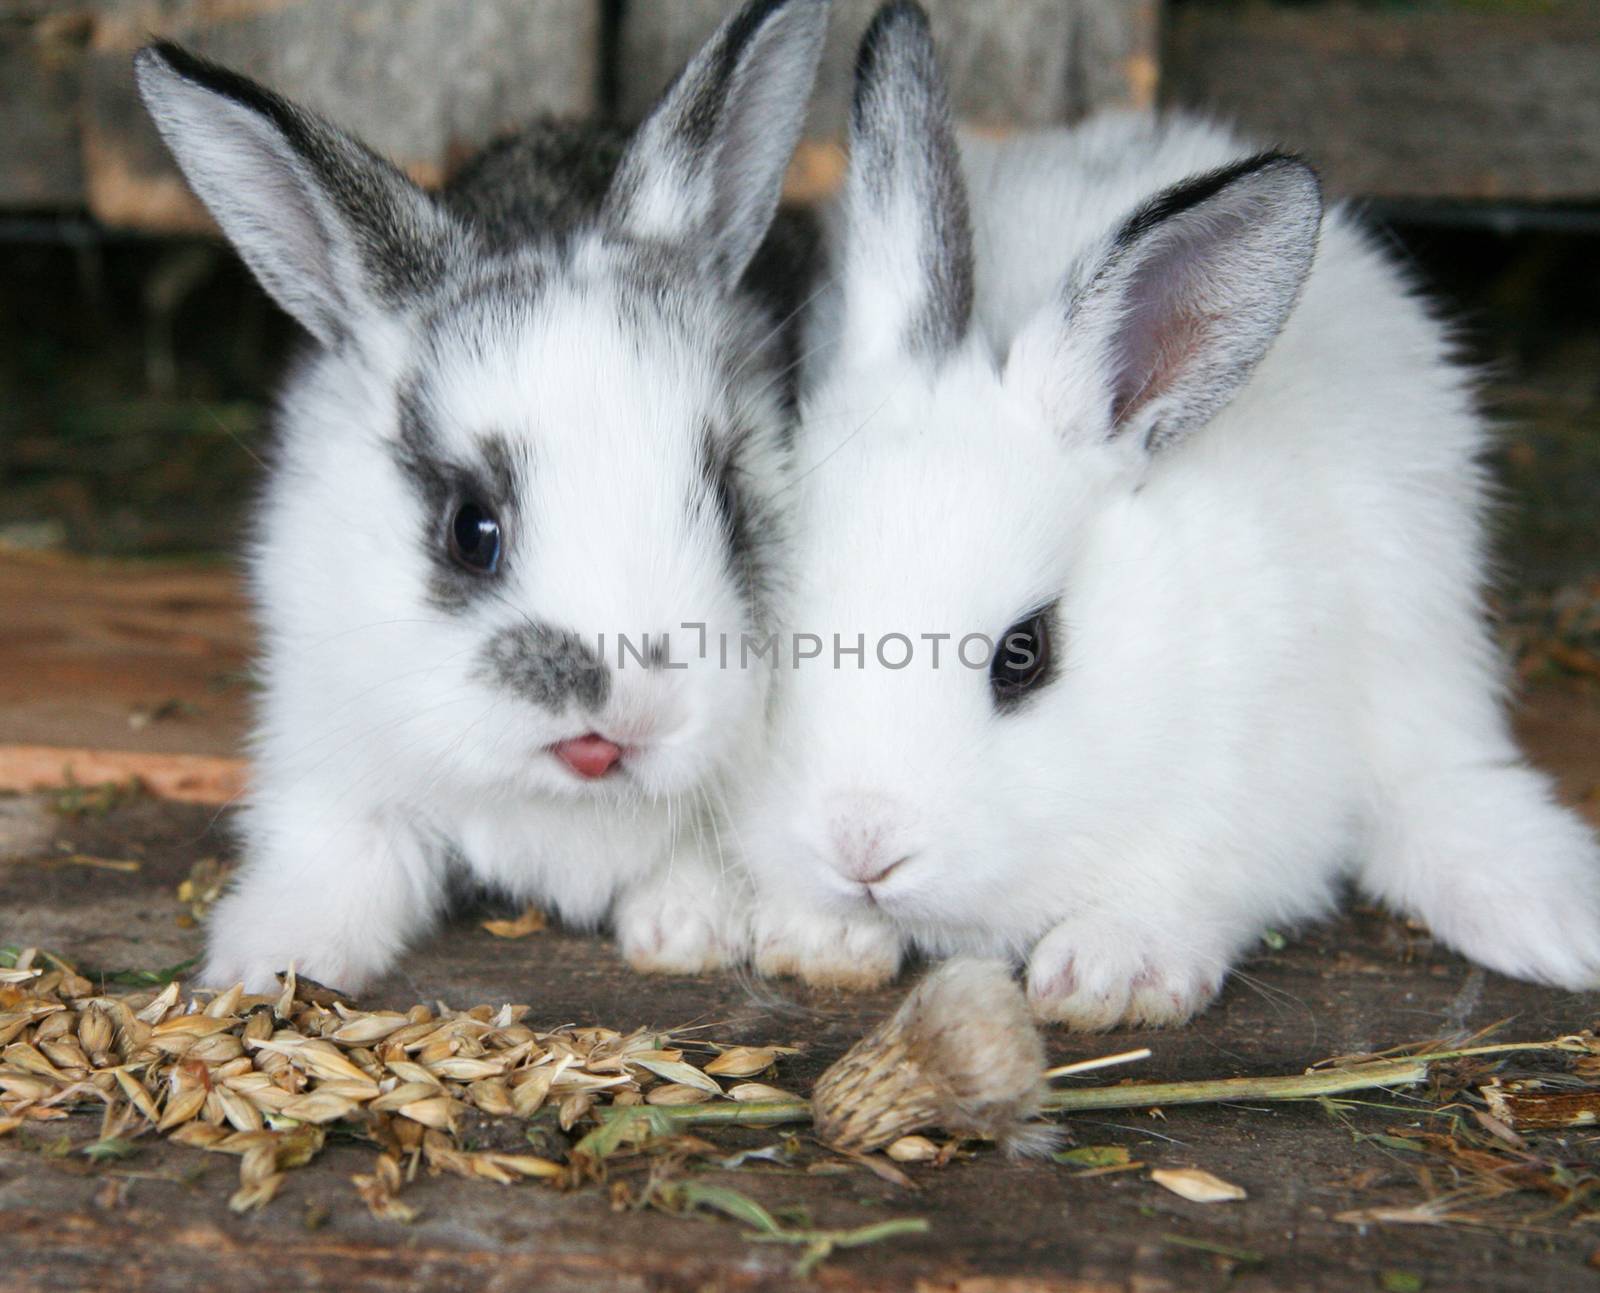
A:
(148, 657)
(427, 82)
(41, 68)
(159, 1221)
(183, 778)
(1410, 104)
(1009, 62)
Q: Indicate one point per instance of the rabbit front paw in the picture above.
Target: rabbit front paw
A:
(1092, 974)
(682, 921)
(825, 950)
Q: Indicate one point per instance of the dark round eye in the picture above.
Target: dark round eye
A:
(1021, 659)
(475, 538)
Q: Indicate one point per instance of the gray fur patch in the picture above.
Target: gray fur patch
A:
(902, 141)
(547, 667)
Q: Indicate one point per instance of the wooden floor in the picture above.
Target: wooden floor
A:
(81, 649)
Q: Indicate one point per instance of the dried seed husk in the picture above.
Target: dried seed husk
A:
(181, 1107)
(676, 1093)
(402, 1095)
(435, 1111)
(460, 1070)
(492, 1096)
(743, 1061)
(136, 1094)
(529, 1096)
(748, 1091)
(678, 1072)
(160, 1004)
(1197, 1185)
(573, 1108)
(25, 1086)
(54, 1026)
(29, 1059)
(258, 1194)
(95, 1033)
(912, 1149)
(363, 1029)
(319, 1107)
(239, 1112)
(199, 1135)
(67, 1055)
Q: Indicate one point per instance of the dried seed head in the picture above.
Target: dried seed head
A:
(961, 1053)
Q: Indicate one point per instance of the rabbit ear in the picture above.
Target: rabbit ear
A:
(1160, 328)
(332, 230)
(705, 170)
(908, 262)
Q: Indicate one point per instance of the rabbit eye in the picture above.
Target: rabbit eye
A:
(1022, 658)
(475, 538)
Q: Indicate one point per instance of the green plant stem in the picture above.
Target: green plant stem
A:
(1365, 1076)
(1298, 1086)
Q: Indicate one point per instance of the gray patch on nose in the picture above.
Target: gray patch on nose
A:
(546, 666)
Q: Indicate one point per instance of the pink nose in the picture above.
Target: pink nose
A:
(867, 847)
(589, 756)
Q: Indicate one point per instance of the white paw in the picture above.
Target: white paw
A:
(826, 950)
(1093, 973)
(244, 944)
(678, 926)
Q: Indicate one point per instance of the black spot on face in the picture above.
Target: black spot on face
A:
(722, 478)
(547, 667)
(448, 490)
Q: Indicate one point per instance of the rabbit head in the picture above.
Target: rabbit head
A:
(517, 486)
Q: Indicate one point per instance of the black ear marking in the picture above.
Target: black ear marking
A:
(903, 157)
(321, 219)
(1195, 287)
(705, 171)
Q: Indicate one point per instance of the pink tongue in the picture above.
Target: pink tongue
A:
(589, 756)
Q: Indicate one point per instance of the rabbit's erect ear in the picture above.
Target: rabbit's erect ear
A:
(1159, 328)
(705, 170)
(331, 229)
(908, 258)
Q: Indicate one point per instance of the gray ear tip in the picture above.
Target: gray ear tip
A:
(1294, 173)
(896, 58)
(897, 29)
(152, 66)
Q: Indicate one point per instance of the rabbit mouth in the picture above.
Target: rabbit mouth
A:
(590, 757)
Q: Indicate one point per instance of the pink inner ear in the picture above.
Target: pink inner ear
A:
(1170, 354)
(1166, 328)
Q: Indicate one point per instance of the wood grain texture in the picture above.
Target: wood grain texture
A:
(1457, 105)
(1009, 62)
(426, 82)
(1363, 982)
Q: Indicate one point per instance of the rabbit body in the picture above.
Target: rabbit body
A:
(1269, 666)
(530, 458)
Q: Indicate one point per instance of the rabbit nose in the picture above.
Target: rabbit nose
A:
(590, 756)
(866, 847)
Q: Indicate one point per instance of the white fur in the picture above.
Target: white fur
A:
(380, 750)
(1274, 666)
(386, 753)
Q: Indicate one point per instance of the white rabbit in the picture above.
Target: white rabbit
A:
(540, 432)
(1213, 490)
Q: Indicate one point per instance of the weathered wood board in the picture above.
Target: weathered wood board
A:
(1425, 103)
(1009, 62)
(425, 81)
(159, 1220)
